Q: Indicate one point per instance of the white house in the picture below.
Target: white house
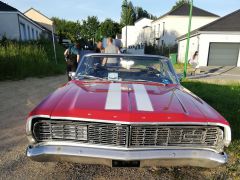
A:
(15, 25)
(217, 43)
(173, 24)
(134, 32)
(165, 29)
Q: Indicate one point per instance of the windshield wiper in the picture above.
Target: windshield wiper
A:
(143, 80)
(90, 77)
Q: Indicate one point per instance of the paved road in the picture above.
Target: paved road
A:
(17, 98)
(218, 73)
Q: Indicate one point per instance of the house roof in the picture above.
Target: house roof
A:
(37, 12)
(139, 19)
(142, 19)
(43, 28)
(229, 22)
(183, 10)
(6, 7)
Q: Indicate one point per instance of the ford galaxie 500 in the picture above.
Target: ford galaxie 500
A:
(127, 111)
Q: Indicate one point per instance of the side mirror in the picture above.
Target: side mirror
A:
(72, 75)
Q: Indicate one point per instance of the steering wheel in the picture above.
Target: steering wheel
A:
(98, 66)
(90, 70)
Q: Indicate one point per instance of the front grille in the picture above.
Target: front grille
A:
(107, 134)
(135, 136)
(97, 133)
(174, 136)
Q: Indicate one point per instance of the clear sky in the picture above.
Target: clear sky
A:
(80, 9)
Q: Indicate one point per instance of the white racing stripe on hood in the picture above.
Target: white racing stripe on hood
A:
(142, 99)
(114, 97)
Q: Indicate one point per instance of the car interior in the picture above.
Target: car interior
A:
(126, 69)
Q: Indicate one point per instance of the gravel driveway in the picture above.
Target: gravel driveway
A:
(17, 98)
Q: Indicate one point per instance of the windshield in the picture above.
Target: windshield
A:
(127, 68)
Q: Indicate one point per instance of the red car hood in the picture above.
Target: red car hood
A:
(127, 102)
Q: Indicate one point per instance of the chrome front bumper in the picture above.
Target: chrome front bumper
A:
(145, 158)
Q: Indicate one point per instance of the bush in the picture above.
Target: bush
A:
(29, 59)
(160, 50)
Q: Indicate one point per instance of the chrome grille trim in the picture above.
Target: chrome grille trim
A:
(129, 136)
(107, 134)
(175, 135)
(98, 133)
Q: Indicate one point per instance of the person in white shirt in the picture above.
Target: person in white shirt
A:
(111, 49)
(194, 60)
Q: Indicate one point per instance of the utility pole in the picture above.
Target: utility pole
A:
(188, 39)
(54, 45)
(127, 9)
(126, 38)
(126, 24)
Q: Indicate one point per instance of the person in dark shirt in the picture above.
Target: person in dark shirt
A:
(72, 56)
(99, 48)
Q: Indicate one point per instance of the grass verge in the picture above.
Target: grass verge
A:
(179, 67)
(29, 59)
(225, 98)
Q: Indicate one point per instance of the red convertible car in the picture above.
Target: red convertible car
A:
(127, 111)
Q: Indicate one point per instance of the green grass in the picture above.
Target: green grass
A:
(179, 67)
(32, 59)
(225, 98)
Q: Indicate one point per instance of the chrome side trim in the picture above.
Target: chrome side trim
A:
(137, 123)
(125, 55)
(29, 122)
(29, 126)
(165, 157)
(227, 135)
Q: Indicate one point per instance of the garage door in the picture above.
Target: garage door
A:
(223, 54)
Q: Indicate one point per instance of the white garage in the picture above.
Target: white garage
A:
(218, 43)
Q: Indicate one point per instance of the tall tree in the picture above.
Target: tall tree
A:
(127, 15)
(141, 13)
(109, 28)
(179, 3)
(67, 29)
(130, 13)
(90, 28)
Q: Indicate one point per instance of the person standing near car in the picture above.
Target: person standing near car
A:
(194, 63)
(72, 56)
(99, 48)
(111, 49)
